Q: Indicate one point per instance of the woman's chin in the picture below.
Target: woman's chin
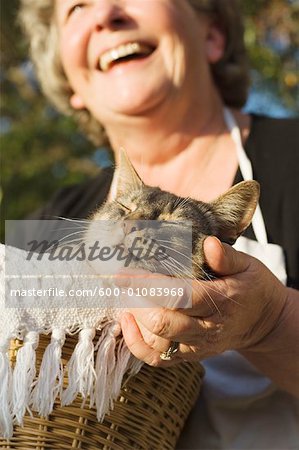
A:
(138, 100)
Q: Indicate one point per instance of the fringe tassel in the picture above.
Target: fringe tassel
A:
(6, 425)
(121, 367)
(23, 376)
(101, 384)
(81, 372)
(50, 379)
(105, 364)
(134, 366)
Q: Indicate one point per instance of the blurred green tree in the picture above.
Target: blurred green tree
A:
(41, 150)
(272, 39)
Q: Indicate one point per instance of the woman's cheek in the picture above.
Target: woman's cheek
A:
(74, 41)
(176, 63)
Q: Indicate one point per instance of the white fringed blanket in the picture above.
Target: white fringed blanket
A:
(97, 378)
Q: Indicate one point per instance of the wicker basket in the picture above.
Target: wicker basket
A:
(149, 413)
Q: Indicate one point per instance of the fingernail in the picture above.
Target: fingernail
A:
(212, 240)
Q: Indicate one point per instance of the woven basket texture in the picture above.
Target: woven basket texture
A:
(149, 413)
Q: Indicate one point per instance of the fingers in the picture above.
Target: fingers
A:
(224, 259)
(150, 329)
(152, 340)
(143, 351)
(138, 346)
(214, 323)
(163, 322)
(172, 325)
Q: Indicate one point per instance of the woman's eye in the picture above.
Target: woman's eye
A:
(75, 9)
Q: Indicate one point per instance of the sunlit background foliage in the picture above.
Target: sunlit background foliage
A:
(42, 151)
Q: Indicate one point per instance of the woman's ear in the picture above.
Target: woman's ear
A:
(76, 102)
(215, 43)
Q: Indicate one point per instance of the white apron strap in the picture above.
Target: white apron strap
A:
(258, 223)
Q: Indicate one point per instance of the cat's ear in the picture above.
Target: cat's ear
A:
(127, 177)
(234, 209)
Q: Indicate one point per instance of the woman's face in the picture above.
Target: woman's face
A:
(127, 57)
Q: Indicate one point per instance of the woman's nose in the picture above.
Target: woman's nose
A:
(110, 14)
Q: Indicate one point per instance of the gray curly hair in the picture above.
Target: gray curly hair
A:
(231, 73)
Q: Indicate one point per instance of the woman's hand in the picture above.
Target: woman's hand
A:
(235, 311)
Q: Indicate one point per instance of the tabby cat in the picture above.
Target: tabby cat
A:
(226, 217)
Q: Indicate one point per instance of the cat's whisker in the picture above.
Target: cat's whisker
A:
(194, 263)
(183, 202)
(175, 269)
(64, 238)
(193, 287)
(186, 282)
(74, 233)
(162, 241)
(60, 245)
(100, 231)
(189, 259)
(217, 291)
(74, 220)
(179, 266)
(207, 275)
(192, 277)
(209, 297)
(223, 295)
(183, 269)
(176, 203)
(73, 244)
(60, 230)
(188, 278)
(179, 201)
(171, 273)
(80, 226)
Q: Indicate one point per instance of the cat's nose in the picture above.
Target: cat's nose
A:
(130, 226)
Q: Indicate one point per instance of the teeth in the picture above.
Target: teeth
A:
(133, 48)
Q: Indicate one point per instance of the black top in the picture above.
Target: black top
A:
(272, 147)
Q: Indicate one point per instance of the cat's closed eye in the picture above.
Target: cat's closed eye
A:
(126, 208)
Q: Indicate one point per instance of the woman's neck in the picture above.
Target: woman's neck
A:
(192, 156)
(160, 136)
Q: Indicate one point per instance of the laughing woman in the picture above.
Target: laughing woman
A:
(165, 79)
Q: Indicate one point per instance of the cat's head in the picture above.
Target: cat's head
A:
(226, 217)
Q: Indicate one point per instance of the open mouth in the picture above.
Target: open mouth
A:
(124, 53)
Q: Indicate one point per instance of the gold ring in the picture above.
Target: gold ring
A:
(167, 356)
